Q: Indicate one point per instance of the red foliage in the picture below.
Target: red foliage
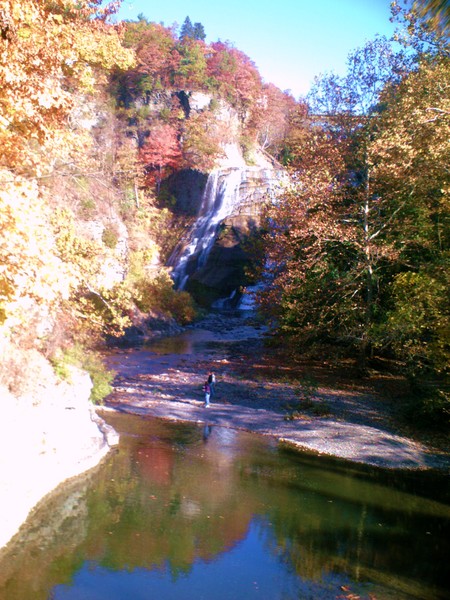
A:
(272, 120)
(160, 153)
(237, 76)
(157, 54)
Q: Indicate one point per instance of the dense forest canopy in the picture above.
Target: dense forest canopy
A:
(358, 248)
(95, 116)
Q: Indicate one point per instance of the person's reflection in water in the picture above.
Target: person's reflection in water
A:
(206, 432)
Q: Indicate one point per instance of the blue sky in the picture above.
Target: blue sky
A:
(290, 41)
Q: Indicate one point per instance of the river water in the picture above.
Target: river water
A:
(184, 511)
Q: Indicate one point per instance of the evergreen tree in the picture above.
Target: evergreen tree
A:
(187, 29)
(192, 32)
(199, 32)
(142, 17)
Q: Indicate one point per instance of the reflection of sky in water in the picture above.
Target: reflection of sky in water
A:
(246, 571)
(226, 440)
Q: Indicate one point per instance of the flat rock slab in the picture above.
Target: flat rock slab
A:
(354, 442)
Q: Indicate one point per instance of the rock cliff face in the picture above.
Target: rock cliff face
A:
(49, 434)
(223, 206)
(220, 280)
(211, 259)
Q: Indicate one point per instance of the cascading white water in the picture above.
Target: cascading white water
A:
(195, 238)
(225, 191)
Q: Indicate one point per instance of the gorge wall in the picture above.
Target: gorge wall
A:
(48, 435)
(222, 203)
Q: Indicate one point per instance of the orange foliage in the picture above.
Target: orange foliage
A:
(203, 139)
(47, 48)
(157, 56)
(272, 121)
(160, 153)
(238, 78)
(32, 277)
(50, 53)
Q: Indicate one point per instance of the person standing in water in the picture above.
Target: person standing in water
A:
(207, 391)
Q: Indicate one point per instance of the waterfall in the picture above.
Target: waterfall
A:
(225, 193)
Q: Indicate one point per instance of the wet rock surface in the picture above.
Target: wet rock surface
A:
(225, 269)
(252, 393)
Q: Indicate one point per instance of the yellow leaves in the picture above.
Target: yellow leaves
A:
(24, 33)
(46, 99)
(413, 141)
(51, 51)
(101, 47)
(31, 275)
(44, 262)
(54, 49)
(74, 250)
(86, 78)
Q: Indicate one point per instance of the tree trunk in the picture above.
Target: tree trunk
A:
(364, 346)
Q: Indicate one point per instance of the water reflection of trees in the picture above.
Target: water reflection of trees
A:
(45, 551)
(174, 511)
(324, 522)
(166, 499)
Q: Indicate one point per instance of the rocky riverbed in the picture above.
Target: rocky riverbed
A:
(254, 392)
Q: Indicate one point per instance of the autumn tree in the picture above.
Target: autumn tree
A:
(409, 154)
(161, 153)
(191, 72)
(421, 27)
(203, 140)
(356, 94)
(272, 119)
(47, 49)
(332, 217)
(52, 54)
(358, 246)
(408, 157)
(33, 280)
(235, 76)
(315, 258)
(436, 11)
(157, 58)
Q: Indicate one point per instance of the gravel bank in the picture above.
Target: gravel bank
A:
(165, 381)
